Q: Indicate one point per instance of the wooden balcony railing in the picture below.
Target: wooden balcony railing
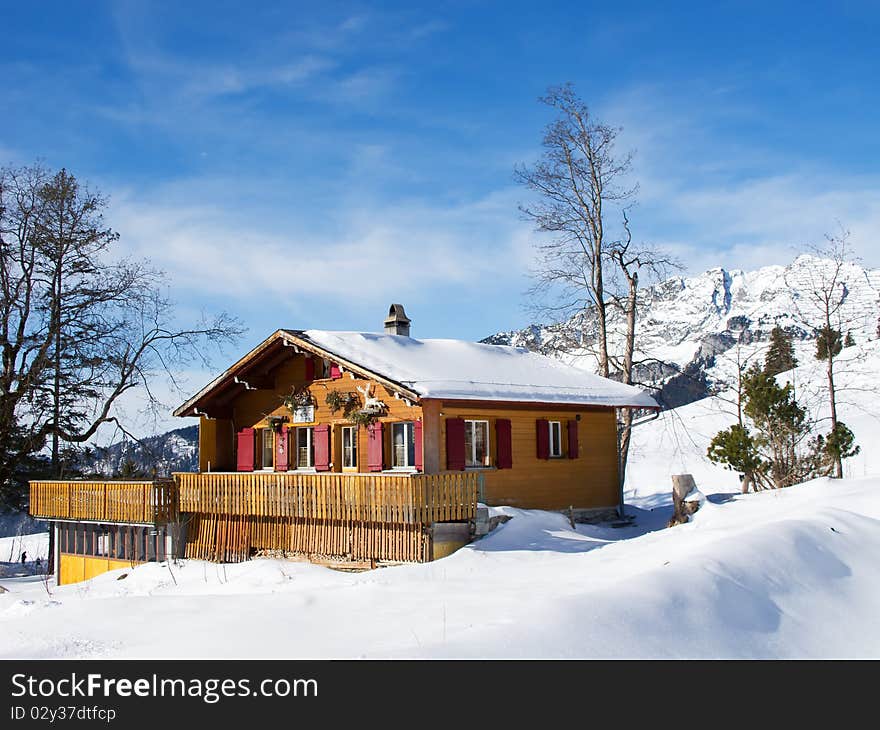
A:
(105, 501)
(373, 498)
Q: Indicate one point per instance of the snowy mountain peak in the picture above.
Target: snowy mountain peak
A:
(686, 323)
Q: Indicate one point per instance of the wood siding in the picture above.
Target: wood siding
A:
(251, 409)
(77, 568)
(586, 482)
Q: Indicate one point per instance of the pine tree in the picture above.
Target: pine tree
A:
(838, 445)
(780, 355)
(828, 341)
(849, 341)
(772, 455)
(736, 449)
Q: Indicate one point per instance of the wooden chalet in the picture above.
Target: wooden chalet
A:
(364, 447)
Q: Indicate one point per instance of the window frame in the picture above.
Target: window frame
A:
(263, 465)
(550, 453)
(310, 447)
(410, 431)
(470, 459)
(353, 446)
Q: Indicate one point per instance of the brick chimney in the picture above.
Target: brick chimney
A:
(397, 323)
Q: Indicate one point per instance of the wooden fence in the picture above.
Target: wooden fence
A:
(108, 501)
(350, 516)
(361, 517)
(398, 499)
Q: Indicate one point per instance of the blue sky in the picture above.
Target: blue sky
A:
(303, 166)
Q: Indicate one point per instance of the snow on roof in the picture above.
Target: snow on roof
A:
(455, 369)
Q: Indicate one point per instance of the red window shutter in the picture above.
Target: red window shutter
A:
(321, 435)
(281, 449)
(504, 446)
(310, 368)
(335, 371)
(246, 438)
(573, 440)
(455, 444)
(374, 446)
(417, 435)
(542, 432)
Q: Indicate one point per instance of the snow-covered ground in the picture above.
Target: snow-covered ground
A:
(789, 573)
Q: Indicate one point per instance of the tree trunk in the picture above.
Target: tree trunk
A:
(628, 355)
(623, 445)
(56, 410)
(601, 320)
(832, 399)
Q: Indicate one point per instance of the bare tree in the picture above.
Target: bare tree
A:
(79, 328)
(578, 178)
(628, 261)
(585, 274)
(822, 306)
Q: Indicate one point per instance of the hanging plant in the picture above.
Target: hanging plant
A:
(276, 422)
(338, 401)
(299, 398)
(363, 418)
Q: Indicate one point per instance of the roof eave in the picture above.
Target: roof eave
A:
(297, 339)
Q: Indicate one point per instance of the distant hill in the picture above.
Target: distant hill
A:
(176, 450)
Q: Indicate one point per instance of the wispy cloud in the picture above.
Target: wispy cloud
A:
(376, 251)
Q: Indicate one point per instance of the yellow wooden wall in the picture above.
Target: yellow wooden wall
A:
(216, 444)
(76, 568)
(251, 408)
(587, 482)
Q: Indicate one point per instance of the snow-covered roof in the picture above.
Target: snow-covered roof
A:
(459, 370)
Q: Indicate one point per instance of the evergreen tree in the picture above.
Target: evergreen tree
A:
(771, 456)
(849, 341)
(838, 445)
(780, 355)
(828, 341)
(736, 449)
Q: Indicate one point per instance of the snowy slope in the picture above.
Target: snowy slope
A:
(677, 441)
(766, 575)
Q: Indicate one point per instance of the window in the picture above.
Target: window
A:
(305, 448)
(555, 438)
(268, 445)
(476, 443)
(403, 445)
(103, 544)
(349, 447)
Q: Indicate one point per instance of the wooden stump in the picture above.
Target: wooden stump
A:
(682, 486)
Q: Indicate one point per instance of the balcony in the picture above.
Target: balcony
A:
(145, 502)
